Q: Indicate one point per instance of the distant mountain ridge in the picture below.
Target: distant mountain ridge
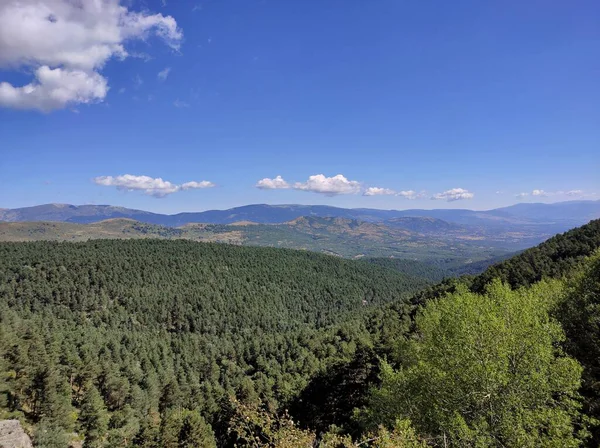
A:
(553, 217)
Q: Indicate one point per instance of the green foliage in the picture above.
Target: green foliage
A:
(402, 435)
(49, 436)
(94, 417)
(186, 429)
(411, 267)
(141, 343)
(255, 427)
(485, 371)
(332, 395)
(579, 314)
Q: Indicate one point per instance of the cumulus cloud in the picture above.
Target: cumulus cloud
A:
(455, 194)
(377, 191)
(278, 183)
(193, 184)
(329, 186)
(164, 74)
(54, 89)
(151, 186)
(410, 194)
(522, 195)
(66, 43)
(539, 193)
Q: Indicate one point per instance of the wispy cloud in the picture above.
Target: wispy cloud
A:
(277, 183)
(378, 191)
(411, 194)
(574, 193)
(141, 55)
(164, 74)
(151, 186)
(455, 194)
(180, 104)
(405, 194)
(539, 193)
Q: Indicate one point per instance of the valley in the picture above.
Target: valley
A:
(456, 241)
(127, 341)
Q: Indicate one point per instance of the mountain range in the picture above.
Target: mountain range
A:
(454, 240)
(559, 216)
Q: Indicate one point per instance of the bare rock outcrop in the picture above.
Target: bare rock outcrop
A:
(13, 436)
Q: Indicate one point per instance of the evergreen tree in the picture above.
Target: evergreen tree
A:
(195, 432)
(93, 417)
(47, 435)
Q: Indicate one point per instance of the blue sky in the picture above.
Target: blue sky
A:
(469, 102)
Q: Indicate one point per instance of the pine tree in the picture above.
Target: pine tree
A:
(93, 417)
(195, 432)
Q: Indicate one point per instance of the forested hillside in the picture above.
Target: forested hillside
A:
(156, 343)
(551, 259)
(110, 338)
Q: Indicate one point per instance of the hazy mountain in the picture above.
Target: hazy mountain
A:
(550, 218)
(75, 213)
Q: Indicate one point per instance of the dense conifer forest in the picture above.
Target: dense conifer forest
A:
(156, 343)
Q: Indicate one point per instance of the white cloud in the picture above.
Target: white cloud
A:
(156, 187)
(54, 89)
(406, 194)
(377, 191)
(544, 194)
(272, 184)
(410, 194)
(180, 104)
(194, 184)
(329, 186)
(455, 194)
(76, 38)
(574, 193)
(164, 74)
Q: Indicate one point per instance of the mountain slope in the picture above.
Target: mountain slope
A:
(553, 258)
